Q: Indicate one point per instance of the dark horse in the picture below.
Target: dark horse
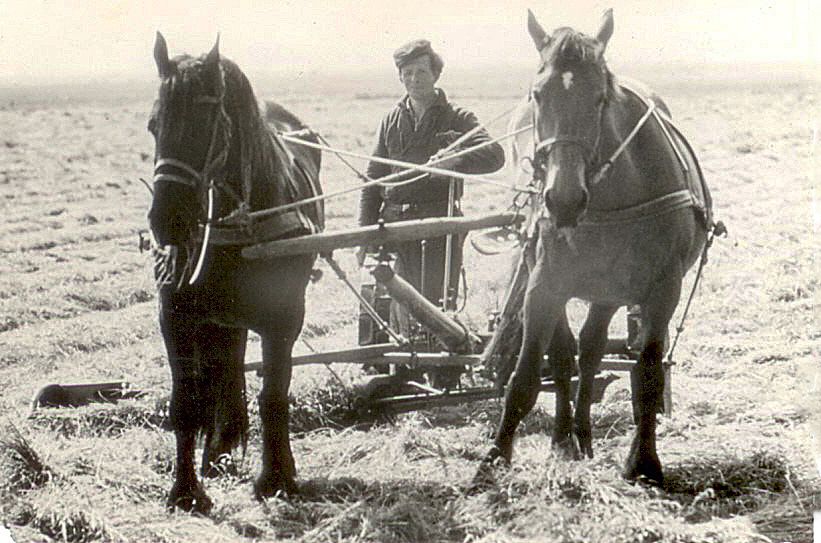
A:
(625, 215)
(216, 160)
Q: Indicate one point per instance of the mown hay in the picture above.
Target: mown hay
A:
(332, 405)
(109, 420)
(72, 524)
(21, 467)
(728, 483)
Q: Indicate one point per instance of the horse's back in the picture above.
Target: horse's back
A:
(283, 120)
(307, 160)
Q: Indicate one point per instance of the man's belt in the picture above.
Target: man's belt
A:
(414, 206)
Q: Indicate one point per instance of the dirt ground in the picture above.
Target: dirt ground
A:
(78, 305)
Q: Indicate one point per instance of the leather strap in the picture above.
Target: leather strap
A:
(668, 203)
(285, 224)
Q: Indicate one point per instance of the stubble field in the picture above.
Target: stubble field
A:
(77, 304)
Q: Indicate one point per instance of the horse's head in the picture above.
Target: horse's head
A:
(192, 135)
(570, 93)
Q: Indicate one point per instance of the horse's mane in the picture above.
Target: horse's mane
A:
(250, 129)
(569, 48)
(255, 154)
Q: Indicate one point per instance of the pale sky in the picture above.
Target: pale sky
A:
(47, 40)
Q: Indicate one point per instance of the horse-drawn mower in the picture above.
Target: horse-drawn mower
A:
(417, 372)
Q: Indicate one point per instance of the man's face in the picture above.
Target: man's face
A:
(417, 76)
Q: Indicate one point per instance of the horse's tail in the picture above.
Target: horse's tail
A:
(225, 421)
(520, 147)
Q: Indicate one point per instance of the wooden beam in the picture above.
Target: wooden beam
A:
(377, 234)
(424, 360)
(386, 353)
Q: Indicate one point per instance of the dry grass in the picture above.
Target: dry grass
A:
(77, 306)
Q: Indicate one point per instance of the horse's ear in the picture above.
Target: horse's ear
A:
(161, 56)
(213, 57)
(605, 30)
(540, 37)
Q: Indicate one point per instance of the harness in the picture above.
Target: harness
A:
(695, 195)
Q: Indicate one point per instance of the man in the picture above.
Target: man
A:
(421, 125)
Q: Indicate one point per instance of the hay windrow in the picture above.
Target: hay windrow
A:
(727, 483)
(103, 419)
(22, 466)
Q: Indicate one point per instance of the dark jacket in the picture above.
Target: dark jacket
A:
(441, 125)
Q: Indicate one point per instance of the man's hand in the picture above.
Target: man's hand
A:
(446, 163)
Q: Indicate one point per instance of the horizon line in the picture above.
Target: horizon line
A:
(803, 69)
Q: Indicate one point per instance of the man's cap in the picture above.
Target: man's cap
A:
(412, 50)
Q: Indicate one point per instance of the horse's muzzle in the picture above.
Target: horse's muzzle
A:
(566, 214)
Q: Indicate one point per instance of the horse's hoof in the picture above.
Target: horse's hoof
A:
(196, 502)
(274, 487)
(485, 477)
(646, 470)
(567, 446)
(585, 442)
(224, 465)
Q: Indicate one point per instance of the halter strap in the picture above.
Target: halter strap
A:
(195, 176)
(174, 178)
(564, 140)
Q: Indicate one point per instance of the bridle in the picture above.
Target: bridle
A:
(209, 177)
(543, 147)
(594, 173)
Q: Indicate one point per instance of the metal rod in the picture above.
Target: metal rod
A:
(365, 304)
(448, 247)
(423, 264)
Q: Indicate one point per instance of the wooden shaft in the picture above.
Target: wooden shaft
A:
(385, 354)
(377, 234)
(355, 355)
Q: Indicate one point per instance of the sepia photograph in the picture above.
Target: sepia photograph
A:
(393, 271)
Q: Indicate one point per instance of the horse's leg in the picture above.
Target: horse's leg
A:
(185, 410)
(541, 314)
(562, 355)
(642, 461)
(222, 360)
(592, 343)
(278, 469)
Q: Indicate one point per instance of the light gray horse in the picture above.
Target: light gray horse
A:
(625, 214)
